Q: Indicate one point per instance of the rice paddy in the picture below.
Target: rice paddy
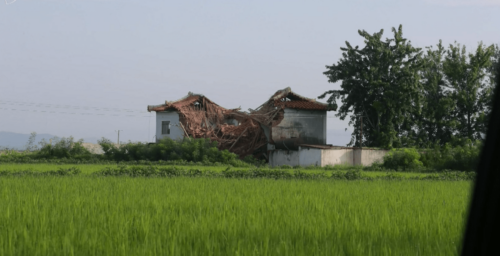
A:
(90, 215)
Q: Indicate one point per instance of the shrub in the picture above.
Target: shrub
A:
(406, 158)
(63, 148)
(462, 157)
(342, 167)
(60, 172)
(188, 149)
(312, 167)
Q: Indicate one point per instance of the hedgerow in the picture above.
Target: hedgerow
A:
(166, 152)
(255, 173)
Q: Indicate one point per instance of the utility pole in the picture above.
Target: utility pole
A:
(360, 130)
(361, 141)
(118, 140)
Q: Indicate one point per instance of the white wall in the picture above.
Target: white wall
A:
(176, 131)
(323, 157)
(309, 156)
(357, 154)
(368, 157)
(337, 156)
(302, 157)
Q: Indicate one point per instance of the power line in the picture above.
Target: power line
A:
(68, 113)
(48, 105)
(100, 114)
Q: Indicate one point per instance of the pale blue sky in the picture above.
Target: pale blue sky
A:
(121, 54)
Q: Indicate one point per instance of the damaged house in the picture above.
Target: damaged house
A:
(197, 116)
(294, 120)
(287, 129)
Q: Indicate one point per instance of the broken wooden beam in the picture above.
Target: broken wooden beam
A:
(237, 139)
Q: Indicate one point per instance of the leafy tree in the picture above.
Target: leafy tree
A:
(63, 148)
(31, 146)
(493, 71)
(467, 76)
(435, 124)
(495, 62)
(381, 83)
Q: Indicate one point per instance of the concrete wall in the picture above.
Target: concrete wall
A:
(176, 131)
(282, 157)
(310, 156)
(300, 127)
(368, 157)
(323, 157)
(357, 154)
(337, 156)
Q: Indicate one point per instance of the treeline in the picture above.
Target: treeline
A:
(405, 96)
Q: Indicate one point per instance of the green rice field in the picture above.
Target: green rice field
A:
(92, 215)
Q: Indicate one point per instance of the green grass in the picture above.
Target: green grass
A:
(85, 215)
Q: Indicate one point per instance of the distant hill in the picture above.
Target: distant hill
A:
(18, 141)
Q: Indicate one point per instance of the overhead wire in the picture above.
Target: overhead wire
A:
(126, 112)
(69, 109)
(48, 105)
(70, 113)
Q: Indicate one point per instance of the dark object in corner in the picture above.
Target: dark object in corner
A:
(483, 226)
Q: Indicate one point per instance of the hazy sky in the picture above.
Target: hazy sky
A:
(96, 65)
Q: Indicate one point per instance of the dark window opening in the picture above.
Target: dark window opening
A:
(165, 127)
(197, 106)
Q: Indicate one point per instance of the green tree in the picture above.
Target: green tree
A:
(380, 83)
(467, 75)
(493, 71)
(31, 146)
(435, 125)
(495, 62)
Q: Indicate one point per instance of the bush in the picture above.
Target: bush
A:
(342, 167)
(405, 159)
(201, 150)
(462, 157)
(254, 161)
(63, 148)
(73, 171)
(167, 152)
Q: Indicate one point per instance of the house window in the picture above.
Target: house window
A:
(165, 127)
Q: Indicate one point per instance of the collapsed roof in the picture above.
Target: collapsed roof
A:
(289, 99)
(199, 117)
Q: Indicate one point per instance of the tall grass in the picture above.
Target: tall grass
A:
(82, 215)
